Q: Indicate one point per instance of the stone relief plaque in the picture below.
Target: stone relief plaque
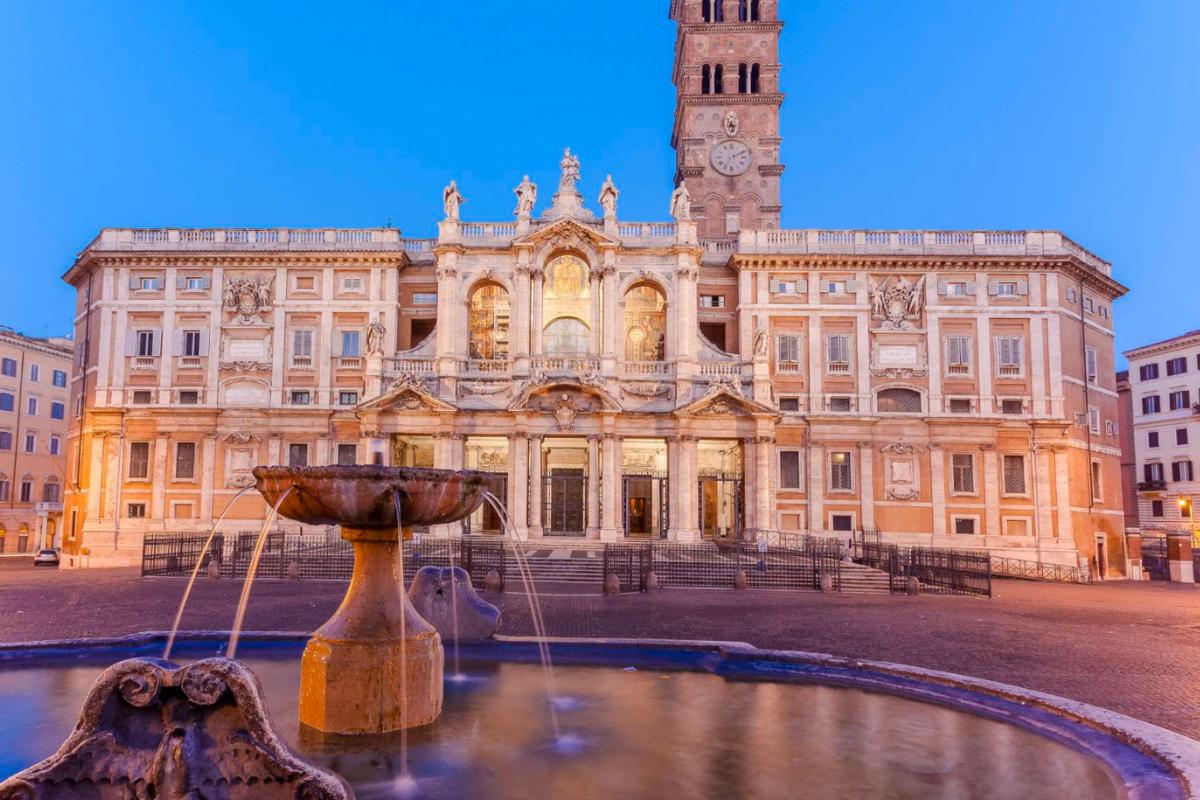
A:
(246, 349)
(898, 356)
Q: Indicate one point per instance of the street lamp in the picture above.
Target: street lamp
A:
(1185, 509)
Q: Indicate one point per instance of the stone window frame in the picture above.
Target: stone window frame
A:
(1028, 520)
(998, 341)
(970, 363)
(829, 487)
(1096, 479)
(799, 403)
(363, 281)
(796, 365)
(287, 453)
(140, 505)
(799, 451)
(969, 398)
(297, 289)
(975, 521)
(1004, 492)
(175, 476)
(1001, 400)
(853, 515)
(1160, 507)
(338, 452)
(130, 477)
(827, 340)
(177, 504)
(974, 492)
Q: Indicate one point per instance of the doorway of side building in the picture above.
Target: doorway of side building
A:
(721, 490)
(1101, 556)
(412, 451)
(489, 455)
(565, 487)
(644, 488)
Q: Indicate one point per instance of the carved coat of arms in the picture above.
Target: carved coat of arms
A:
(897, 302)
(247, 298)
(565, 411)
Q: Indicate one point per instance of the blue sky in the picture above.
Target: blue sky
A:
(935, 114)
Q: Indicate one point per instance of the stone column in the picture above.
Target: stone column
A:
(535, 317)
(1179, 557)
(95, 471)
(1044, 523)
(535, 486)
(750, 487)
(611, 302)
(684, 486)
(600, 318)
(1133, 556)
(866, 484)
(937, 480)
(610, 511)
(166, 363)
(594, 479)
(519, 337)
(1062, 496)
(987, 395)
(764, 451)
(518, 483)
(107, 482)
(991, 491)
(208, 477)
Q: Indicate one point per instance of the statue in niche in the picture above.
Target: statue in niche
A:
(608, 197)
(526, 194)
(681, 204)
(762, 342)
(570, 173)
(375, 334)
(452, 201)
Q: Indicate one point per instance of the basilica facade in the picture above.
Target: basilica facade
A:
(710, 376)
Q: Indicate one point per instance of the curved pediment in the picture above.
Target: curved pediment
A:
(722, 401)
(407, 397)
(548, 394)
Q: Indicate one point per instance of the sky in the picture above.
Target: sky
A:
(1079, 115)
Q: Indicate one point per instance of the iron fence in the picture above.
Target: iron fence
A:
(307, 556)
(707, 566)
(1154, 558)
(1038, 571)
(938, 569)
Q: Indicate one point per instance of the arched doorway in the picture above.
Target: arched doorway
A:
(488, 312)
(645, 324)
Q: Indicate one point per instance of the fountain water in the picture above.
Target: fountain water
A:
(240, 618)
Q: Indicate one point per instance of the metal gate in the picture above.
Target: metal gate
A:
(564, 506)
(645, 508)
(1154, 558)
(722, 507)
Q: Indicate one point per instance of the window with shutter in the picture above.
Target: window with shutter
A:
(838, 353)
(1009, 350)
(958, 355)
(1091, 364)
(788, 352)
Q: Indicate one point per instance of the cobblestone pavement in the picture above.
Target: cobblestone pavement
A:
(1134, 649)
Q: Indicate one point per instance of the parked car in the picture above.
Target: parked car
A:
(47, 558)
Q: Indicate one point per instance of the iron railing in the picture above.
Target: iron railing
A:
(308, 556)
(1154, 558)
(1038, 571)
(939, 570)
(707, 566)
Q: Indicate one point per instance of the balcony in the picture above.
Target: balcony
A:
(48, 508)
(485, 366)
(145, 363)
(1152, 486)
(648, 369)
(565, 365)
(302, 362)
(190, 362)
(348, 362)
(788, 367)
(838, 368)
(958, 370)
(1008, 371)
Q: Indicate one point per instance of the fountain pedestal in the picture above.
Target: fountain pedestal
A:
(376, 666)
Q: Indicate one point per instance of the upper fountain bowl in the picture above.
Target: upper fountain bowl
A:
(363, 497)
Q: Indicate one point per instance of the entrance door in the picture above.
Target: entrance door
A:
(721, 509)
(486, 520)
(645, 500)
(566, 503)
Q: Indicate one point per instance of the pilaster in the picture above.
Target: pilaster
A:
(991, 491)
(937, 480)
(594, 478)
(866, 486)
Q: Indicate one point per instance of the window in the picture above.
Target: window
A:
(31, 442)
(139, 461)
(60, 378)
(55, 445)
(354, 284)
(899, 401)
(963, 469)
(1156, 508)
(756, 79)
(302, 348)
(835, 287)
(297, 455)
(143, 397)
(58, 411)
(145, 344)
(706, 79)
(1014, 475)
(958, 355)
(195, 284)
(743, 79)
(6, 401)
(842, 522)
(26, 495)
(1153, 472)
(1151, 404)
(347, 455)
(8, 367)
(1089, 304)
(136, 511)
(788, 353)
(1152, 439)
(1176, 366)
(189, 397)
(956, 289)
(349, 344)
(4, 489)
(50, 491)
(789, 469)
(1013, 407)
(348, 398)
(191, 344)
(301, 397)
(1009, 352)
(1179, 400)
(35, 373)
(719, 72)
(837, 352)
(424, 298)
(1094, 420)
(1097, 494)
(31, 406)
(147, 284)
(960, 405)
(1090, 359)
(185, 461)
(1110, 427)
(5, 440)
(841, 479)
(1071, 296)
(712, 301)
(1181, 471)
(964, 526)
(1006, 289)
(787, 287)
(841, 404)
(1148, 372)
(789, 405)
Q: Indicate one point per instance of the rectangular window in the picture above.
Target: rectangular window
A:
(1110, 427)
(1097, 494)
(1089, 304)
(964, 526)
(145, 344)
(1156, 508)
(55, 446)
(1006, 289)
(26, 492)
(191, 344)
(1014, 475)
(189, 397)
(1176, 366)
(1153, 472)
(841, 404)
(1151, 404)
(1094, 420)
(1181, 471)
(349, 344)
(194, 284)
(841, 478)
(956, 289)
(789, 469)
(789, 405)
(60, 378)
(185, 461)
(297, 455)
(302, 348)
(712, 301)
(960, 405)
(4, 489)
(1179, 400)
(136, 511)
(1181, 436)
(842, 522)
(31, 443)
(301, 397)
(787, 353)
(5, 440)
(837, 352)
(1012, 407)
(6, 401)
(1152, 439)
(31, 406)
(35, 372)
(785, 287)
(50, 492)
(348, 398)
(835, 287)
(347, 455)
(8, 367)
(958, 355)
(1010, 351)
(1090, 358)
(424, 298)
(963, 465)
(148, 284)
(354, 284)
(1148, 372)
(142, 397)
(58, 411)
(139, 461)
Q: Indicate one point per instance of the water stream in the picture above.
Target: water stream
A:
(404, 783)
(240, 618)
(187, 592)
(457, 675)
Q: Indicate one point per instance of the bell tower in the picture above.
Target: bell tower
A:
(726, 134)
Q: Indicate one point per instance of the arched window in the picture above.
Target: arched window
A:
(743, 10)
(707, 10)
(719, 79)
(488, 321)
(566, 336)
(899, 401)
(706, 79)
(756, 79)
(645, 324)
(719, 11)
(743, 79)
(754, 15)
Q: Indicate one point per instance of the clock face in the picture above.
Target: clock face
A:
(731, 158)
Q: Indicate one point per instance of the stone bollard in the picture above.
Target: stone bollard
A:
(740, 580)
(913, 586)
(1179, 557)
(652, 584)
(214, 569)
(826, 583)
(293, 570)
(1133, 557)
(445, 598)
(612, 585)
(492, 581)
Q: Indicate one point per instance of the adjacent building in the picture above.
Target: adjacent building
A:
(707, 377)
(34, 393)
(1163, 398)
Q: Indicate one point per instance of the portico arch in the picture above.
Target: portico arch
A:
(645, 323)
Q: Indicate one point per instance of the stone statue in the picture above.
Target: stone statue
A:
(732, 123)
(570, 173)
(452, 201)
(375, 334)
(762, 342)
(608, 197)
(681, 204)
(526, 197)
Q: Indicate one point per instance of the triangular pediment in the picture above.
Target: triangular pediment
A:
(409, 397)
(566, 231)
(722, 401)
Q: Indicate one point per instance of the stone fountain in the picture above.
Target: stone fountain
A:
(376, 666)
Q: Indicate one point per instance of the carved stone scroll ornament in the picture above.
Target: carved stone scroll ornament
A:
(648, 391)
(484, 388)
(901, 449)
(149, 729)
